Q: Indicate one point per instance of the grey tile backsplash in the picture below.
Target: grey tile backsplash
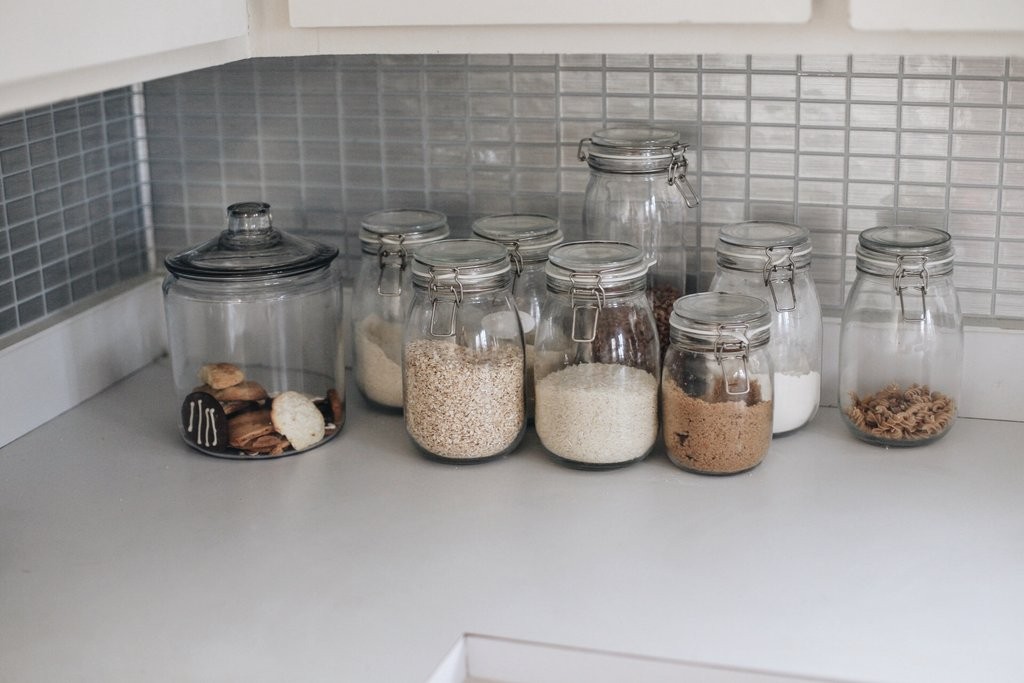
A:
(70, 211)
(835, 143)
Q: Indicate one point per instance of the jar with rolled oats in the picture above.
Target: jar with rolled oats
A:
(463, 363)
(901, 342)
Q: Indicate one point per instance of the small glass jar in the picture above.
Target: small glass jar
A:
(462, 361)
(254, 330)
(529, 238)
(772, 261)
(597, 357)
(638, 193)
(716, 389)
(901, 341)
(383, 296)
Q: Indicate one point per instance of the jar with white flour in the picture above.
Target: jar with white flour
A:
(529, 238)
(772, 261)
(597, 357)
(383, 296)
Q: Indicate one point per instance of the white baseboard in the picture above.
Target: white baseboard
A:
(68, 361)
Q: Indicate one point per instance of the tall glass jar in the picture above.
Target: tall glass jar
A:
(383, 295)
(597, 357)
(772, 261)
(254, 330)
(529, 238)
(463, 362)
(901, 341)
(638, 193)
(716, 389)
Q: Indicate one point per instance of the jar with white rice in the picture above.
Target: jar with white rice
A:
(597, 357)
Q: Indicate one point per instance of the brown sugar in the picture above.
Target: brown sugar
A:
(716, 437)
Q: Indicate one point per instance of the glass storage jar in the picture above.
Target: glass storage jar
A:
(254, 319)
(901, 341)
(597, 357)
(529, 238)
(383, 296)
(716, 389)
(638, 193)
(462, 361)
(772, 261)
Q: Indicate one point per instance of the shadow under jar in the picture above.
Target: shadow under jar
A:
(901, 340)
(254, 330)
(716, 388)
(528, 238)
(383, 296)
(463, 360)
(772, 261)
(597, 357)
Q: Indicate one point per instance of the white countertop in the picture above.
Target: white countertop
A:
(126, 556)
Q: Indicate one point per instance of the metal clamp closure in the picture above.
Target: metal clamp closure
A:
(920, 272)
(731, 353)
(586, 309)
(580, 154)
(516, 258)
(392, 264)
(677, 177)
(455, 289)
(778, 277)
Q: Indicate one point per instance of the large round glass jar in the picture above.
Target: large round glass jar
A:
(529, 238)
(901, 342)
(254, 329)
(772, 261)
(597, 357)
(716, 389)
(462, 361)
(638, 193)
(383, 295)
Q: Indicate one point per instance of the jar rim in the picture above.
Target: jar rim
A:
(746, 246)
(532, 234)
(473, 263)
(633, 149)
(883, 249)
(402, 226)
(704, 315)
(607, 262)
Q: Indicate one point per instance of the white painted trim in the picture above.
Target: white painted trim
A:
(77, 357)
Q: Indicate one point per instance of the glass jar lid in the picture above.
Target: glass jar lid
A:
(613, 267)
(408, 227)
(702, 320)
(749, 245)
(528, 236)
(633, 149)
(885, 250)
(465, 265)
(250, 248)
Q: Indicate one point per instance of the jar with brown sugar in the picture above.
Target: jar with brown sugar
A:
(716, 386)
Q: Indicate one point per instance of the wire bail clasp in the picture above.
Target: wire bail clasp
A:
(392, 263)
(581, 311)
(731, 353)
(516, 257)
(778, 275)
(905, 271)
(677, 177)
(436, 289)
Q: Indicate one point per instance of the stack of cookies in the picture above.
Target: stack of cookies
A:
(230, 415)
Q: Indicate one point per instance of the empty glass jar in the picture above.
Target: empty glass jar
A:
(716, 389)
(638, 193)
(463, 362)
(254, 329)
(901, 341)
(529, 238)
(383, 296)
(597, 357)
(772, 261)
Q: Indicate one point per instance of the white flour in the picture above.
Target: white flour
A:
(378, 360)
(796, 400)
